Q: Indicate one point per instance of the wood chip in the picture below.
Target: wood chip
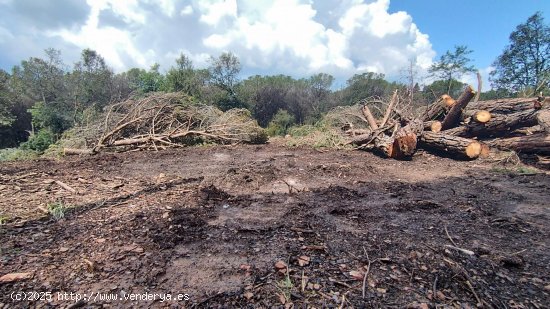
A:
(357, 275)
(303, 260)
(280, 265)
(15, 277)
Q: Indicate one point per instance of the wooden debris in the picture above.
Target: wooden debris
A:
(454, 145)
(11, 277)
(452, 118)
(543, 119)
(65, 186)
(536, 143)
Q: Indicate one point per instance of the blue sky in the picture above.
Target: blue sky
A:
(292, 37)
(483, 25)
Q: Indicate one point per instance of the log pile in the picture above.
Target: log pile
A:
(459, 128)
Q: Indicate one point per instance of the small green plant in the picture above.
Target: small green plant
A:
(3, 219)
(57, 210)
(286, 286)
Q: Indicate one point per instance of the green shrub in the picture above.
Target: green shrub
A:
(259, 136)
(40, 141)
(319, 135)
(52, 116)
(280, 123)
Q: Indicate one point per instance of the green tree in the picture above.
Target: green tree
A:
(281, 122)
(525, 64)
(42, 79)
(6, 100)
(438, 88)
(224, 71)
(183, 77)
(367, 85)
(152, 80)
(224, 74)
(320, 85)
(452, 64)
(90, 81)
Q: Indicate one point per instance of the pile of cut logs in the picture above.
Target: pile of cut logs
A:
(460, 129)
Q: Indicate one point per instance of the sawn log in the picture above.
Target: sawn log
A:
(459, 147)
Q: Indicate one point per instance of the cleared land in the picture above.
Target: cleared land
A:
(213, 222)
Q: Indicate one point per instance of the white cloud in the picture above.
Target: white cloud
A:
(214, 11)
(187, 10)
(294, 37)
(111, 43)
(5, 35)
(366, 37)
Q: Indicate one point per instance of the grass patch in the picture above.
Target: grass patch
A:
(17, 154)
(57, 210)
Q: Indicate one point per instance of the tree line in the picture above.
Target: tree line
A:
(43, 97)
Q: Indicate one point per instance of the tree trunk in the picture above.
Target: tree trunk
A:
(384, 144)
(405, 140)
(361, 139)
(453, 117)
(456, 146)
(74, 151)
(501, 106)
(536, 143)
(437, 110)
(499, 125)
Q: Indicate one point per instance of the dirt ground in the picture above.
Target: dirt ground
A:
(270, 227)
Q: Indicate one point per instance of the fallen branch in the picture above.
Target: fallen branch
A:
(389, 109)
(370, 118)
(468, 252)
(65, 186)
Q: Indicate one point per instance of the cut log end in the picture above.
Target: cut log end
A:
(436, 126)
(473, 150)
(448, 101)
(404, 146)
(482, 116)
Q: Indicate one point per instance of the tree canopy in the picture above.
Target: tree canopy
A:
(524, 64)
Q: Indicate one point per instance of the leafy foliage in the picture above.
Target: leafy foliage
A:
(451, 65)
(280, 123)
(40, 141)
(525, 63)
(367, 85)
(6, 116)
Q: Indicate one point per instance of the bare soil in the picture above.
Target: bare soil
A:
(212, 222)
